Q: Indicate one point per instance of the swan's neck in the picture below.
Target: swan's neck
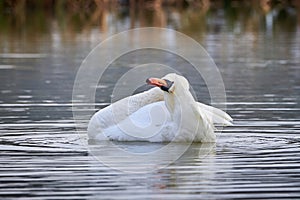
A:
(179, 104)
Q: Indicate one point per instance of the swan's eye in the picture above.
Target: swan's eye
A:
(168, 86)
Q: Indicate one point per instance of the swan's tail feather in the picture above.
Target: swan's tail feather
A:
(216, 115)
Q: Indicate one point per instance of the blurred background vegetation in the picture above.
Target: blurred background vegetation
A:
(35, 20)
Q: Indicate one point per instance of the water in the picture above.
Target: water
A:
(42, 156)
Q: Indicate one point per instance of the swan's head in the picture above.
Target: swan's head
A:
(176, 92)
(169, 83)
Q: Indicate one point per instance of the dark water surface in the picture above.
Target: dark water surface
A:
(258, 55)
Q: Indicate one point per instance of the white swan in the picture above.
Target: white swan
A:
(165, 113)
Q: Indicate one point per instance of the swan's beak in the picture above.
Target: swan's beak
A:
(156, 82)
(163, 84)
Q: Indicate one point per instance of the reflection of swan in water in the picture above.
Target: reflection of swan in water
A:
(196, 168)
(174, 115)
(140, 157)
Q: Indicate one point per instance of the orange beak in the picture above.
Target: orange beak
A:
(156, 82)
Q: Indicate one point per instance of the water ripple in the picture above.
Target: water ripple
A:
(252, 160)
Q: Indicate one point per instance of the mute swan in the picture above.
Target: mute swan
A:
(167, 112)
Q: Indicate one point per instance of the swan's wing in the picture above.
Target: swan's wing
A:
(120, 110)
(142, 125)
(216, 115)
(131, 104)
